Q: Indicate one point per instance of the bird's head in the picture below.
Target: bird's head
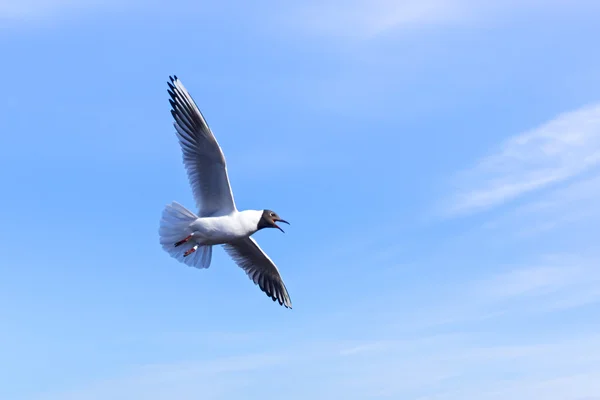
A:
(269, 219)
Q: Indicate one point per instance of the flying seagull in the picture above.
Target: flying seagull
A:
(188, 237)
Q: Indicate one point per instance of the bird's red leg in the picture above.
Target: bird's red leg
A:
(190, 251)
(183, 241)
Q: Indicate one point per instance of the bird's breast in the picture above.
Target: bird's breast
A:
(219, 230)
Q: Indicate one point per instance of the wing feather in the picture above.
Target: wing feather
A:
(260, 269)
(202, 156)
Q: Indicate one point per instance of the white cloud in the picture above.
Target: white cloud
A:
(569, 387)
(556, 151)
(569, 209)
(515, 370)
(537, 280)
(368, 18)
(179, 380)
(360, 18)
(556, 285)
(459, 364)
(550, 284)
(19, 10)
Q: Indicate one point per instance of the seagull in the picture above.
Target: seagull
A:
(190, 237)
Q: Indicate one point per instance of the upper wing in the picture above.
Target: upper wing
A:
(259, 267)
(202, 156)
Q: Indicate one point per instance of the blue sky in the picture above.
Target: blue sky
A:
(439, 162)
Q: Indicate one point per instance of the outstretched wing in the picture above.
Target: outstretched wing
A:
(202, 156)
(251, 258)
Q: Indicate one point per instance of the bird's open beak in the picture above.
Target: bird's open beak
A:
(277, 226)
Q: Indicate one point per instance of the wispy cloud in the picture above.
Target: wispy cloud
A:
(557, 283)
(549, 284)
(179, 380)
(29, 8)
(556, 151)
(38, 9)
(432, 366)
(547, 278)
(571, 208)
(367, 19)
(432, 369)
(570, 386)
(361, 18)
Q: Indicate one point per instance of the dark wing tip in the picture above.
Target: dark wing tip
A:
(279, 296)
(283, 299)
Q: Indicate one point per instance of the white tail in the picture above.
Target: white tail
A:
(175, 227)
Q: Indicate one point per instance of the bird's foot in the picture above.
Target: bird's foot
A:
(190, 251)
(183, 241)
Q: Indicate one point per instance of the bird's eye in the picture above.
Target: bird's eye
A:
(272, 214)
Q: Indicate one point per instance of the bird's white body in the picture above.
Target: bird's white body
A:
(224, 229)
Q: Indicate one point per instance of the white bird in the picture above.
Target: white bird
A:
(188, 237)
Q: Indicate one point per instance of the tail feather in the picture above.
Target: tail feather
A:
(175, 226)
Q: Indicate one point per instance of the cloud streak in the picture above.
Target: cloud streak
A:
(425, 368)
(360, 18)
(556, 151)
(26, 10)
(541, 279)
(364, 19)
(555, 284)
(431, 365)
(572, 208)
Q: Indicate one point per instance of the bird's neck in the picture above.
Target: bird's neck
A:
(250, 219)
